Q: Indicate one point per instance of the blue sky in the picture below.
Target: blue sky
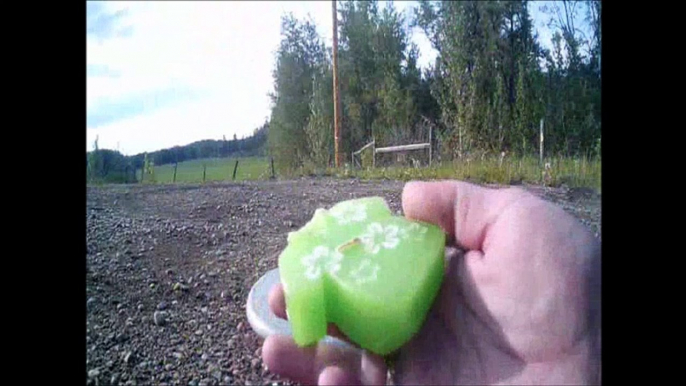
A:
(161, 74)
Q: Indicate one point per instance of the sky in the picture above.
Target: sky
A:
(163, 74)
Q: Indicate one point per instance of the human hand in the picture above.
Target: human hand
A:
(521, 306)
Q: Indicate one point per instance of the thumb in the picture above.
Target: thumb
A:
(465, 211)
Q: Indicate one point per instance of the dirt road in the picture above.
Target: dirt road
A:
(170, 267)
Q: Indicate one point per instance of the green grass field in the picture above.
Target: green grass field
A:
(574, 172)
(216, 169)
(579, 172)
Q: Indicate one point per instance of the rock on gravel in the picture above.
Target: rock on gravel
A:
(160, 318)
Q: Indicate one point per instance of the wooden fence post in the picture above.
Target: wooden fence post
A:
(430, 143)
(541, 146)
(175, 166)
(234, 171)
(273, 174)
(204, 168)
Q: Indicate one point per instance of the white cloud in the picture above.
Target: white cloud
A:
(206, 118)
(224, 50)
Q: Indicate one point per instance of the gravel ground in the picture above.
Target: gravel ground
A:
(169, 269)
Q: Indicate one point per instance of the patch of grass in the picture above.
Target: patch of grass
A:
(216, 169)
(574, 172)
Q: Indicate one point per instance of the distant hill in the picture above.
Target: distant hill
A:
(253, 145)
(112, 166)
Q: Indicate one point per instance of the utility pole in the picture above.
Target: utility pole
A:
(336, 99)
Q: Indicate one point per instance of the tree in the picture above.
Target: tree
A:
(490, 87)
(95, 162)
(574, 81)
(382, 79)
(467, 36)
(319, 129)
(299, 57)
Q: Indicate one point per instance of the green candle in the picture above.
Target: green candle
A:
(375, 275)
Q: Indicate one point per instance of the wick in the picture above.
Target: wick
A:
(349, 244)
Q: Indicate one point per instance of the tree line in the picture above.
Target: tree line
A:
(113, 167)
(489, 87)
